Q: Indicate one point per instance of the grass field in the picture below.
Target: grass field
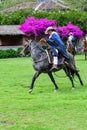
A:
(43, 109)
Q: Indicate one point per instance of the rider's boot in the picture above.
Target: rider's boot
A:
(55, 63)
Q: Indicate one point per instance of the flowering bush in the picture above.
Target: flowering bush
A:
(37, 27)
(65, 30)
(33, 26)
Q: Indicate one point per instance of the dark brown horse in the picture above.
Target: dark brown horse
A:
(71, 49)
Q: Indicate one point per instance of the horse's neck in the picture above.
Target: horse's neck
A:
(36, 47)
(33, 46)
(36, 50)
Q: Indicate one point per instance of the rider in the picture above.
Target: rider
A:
(56, 43)
(71, 40)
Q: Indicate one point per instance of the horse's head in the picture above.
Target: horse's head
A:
(42, 42)
(26, 49)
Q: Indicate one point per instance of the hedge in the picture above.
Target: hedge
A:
(10, 53)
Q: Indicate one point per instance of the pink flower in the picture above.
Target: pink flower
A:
(33, 26)
(65, 30)
(37, 27)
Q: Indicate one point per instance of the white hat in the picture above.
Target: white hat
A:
(70, 33)
(49, 28)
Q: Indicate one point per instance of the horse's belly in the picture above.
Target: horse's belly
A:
(41, 66)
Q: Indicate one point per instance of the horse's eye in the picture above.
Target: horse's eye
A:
(25, 45)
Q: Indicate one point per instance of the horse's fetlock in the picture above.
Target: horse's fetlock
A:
(73, 88)
(56, 90)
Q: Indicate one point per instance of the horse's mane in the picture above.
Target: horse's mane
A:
(38, 45)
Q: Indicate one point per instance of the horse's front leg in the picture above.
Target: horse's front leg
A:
(33, 80)
(52, 79)
(71, 79)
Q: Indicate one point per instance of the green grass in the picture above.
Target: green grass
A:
(43, 109)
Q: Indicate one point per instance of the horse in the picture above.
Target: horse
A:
(71, 49)
(41, 64)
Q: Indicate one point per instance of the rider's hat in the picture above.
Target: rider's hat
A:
(49, 28)
(70, 33)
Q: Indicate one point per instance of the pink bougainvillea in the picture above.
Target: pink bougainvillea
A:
(65, 30)
(37, 27)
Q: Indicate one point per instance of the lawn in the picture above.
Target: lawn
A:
(43, 109)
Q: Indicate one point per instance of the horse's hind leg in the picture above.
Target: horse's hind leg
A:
(33, 80)
(68, 73)
(52, 79)
(79, 78)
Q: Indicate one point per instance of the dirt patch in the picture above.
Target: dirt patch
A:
(8, 122)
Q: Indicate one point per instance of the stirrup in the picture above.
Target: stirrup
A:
(54, 67)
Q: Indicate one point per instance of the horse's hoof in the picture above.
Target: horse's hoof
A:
(73, 88)
(30, 90)
(56, 90)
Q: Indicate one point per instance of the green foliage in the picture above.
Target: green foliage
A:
(10, 53)
(3, 54)
(77, 4)
(18, 51)
(78, 18)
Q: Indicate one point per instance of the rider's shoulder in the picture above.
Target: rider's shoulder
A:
(54, 33)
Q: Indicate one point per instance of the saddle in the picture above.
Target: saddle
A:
(50, 57)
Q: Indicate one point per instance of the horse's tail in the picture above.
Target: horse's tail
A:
(71, 64)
